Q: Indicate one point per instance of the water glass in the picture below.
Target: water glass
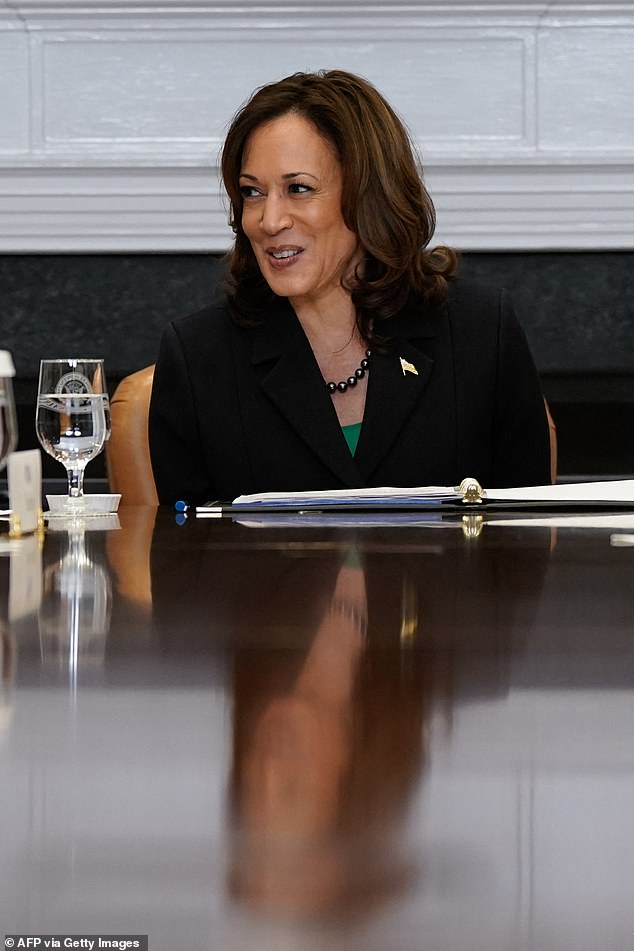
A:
(72, 417)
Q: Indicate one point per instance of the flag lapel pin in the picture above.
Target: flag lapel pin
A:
(408, 367)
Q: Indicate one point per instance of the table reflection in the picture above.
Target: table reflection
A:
(343, 654)
(321, 737)
(232, 586)
(76, 604)
(20, 597)
(326, 746)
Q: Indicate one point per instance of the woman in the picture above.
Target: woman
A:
(344, 354)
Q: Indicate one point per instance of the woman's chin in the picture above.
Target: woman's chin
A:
(285, 284)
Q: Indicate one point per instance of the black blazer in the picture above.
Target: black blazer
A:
(238, 410)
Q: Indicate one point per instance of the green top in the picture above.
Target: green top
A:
(352, 434)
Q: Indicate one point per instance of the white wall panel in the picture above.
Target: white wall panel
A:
(14, 92)
(113, 114)
(455, 92)
(128, 91)
(185, 90)
(586, 90)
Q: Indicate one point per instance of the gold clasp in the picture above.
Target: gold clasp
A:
(471, 491)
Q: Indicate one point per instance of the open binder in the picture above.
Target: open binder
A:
(617, 494)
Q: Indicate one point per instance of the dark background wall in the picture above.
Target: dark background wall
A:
(577, 309)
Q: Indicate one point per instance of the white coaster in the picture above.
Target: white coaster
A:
(87, 505)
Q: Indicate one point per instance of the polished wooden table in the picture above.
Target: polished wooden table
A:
(332, 735)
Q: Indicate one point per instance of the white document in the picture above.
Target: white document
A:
(618, 490)
(24, 477)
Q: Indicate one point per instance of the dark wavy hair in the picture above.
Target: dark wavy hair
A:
(384, 200)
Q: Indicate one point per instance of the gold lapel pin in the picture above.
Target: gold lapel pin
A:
(408, 367)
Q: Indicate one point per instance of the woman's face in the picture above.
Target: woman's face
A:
(291, 186)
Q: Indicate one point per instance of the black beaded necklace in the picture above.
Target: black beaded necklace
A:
(358, 374)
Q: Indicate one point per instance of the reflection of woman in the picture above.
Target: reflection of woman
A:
(320, 776)
(337, 760)
(273, 388)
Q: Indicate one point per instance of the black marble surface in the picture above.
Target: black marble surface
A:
(111, 306)
(577, 309)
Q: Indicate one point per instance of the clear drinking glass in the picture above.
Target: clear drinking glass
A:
(72, 417)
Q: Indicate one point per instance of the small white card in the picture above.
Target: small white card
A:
(24, 477)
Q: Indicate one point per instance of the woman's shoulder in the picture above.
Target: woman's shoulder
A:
(474, 315)
(483, 309)
(201, 334)
(467, 307)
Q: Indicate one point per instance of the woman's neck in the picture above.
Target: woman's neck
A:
(329, 323)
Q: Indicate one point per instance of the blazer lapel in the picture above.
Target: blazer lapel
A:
(295, 386)
(396, 383)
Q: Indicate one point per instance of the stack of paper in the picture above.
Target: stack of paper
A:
(384, 496)
(617, 493)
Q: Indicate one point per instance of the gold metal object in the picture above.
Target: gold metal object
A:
(407, 367)
(40, 531)
(15, 526)
(471, 491)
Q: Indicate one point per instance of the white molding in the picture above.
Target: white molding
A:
(502, 207)
(183, 14)
(182, 8)
(513, 157)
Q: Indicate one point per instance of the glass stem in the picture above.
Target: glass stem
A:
(75, 483)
